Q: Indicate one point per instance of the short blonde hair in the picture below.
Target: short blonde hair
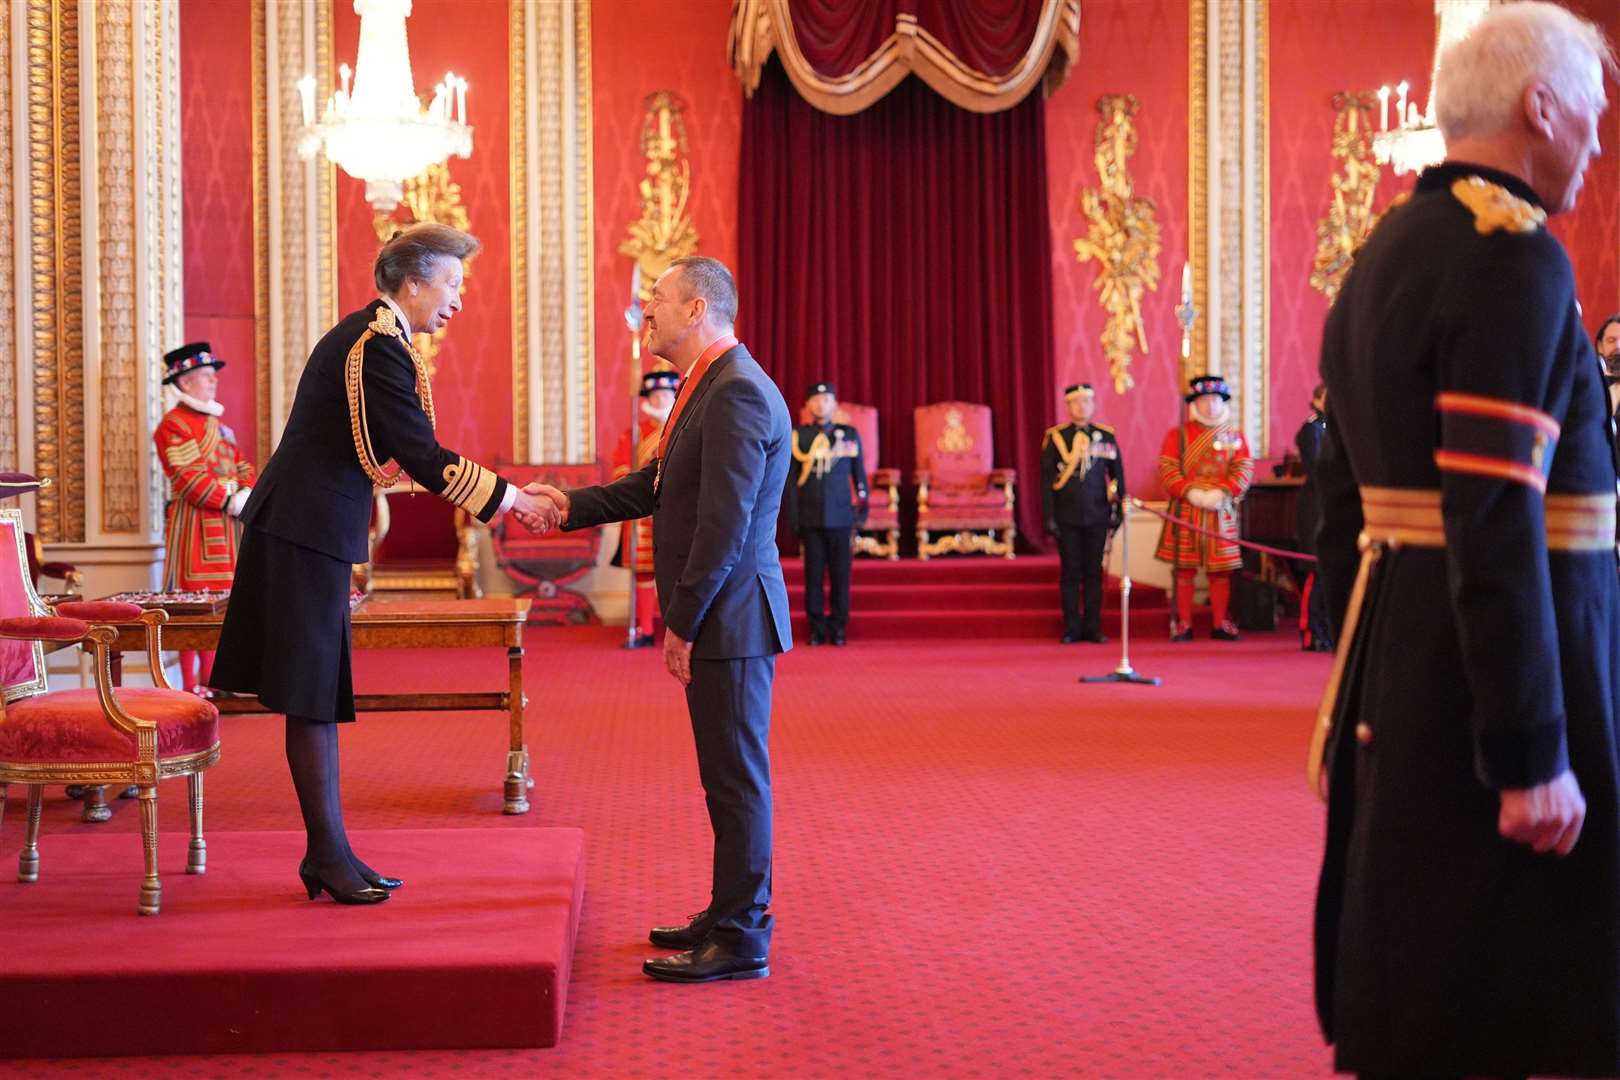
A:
(1480, 84)
(410, 253)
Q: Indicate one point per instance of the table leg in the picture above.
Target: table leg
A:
(517, 754)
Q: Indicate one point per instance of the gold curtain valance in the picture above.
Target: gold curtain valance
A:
(759, 27)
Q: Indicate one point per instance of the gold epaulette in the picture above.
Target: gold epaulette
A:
(1495, 207)
(1102, 427)
(385, 325)
(1052, 431)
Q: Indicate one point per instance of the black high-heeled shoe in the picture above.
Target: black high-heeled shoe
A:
(378, 881)
(314, 884)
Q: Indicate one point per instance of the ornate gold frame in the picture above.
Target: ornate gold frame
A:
(11, 517)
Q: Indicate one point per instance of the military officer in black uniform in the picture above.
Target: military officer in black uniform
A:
(827, 469)
(1468, 913)
(1083, 495)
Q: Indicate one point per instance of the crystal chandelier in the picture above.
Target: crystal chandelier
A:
(380, 133)
(1415, 142)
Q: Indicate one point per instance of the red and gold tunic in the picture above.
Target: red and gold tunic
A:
(1216, 458)
(646, 450)
(199, 458)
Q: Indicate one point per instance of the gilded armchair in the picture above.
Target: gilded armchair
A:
(964, 503)
(420, 544)
(92, 736)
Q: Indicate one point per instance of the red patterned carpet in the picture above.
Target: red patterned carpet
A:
(983, 868)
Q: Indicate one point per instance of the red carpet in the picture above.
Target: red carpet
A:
(969, 598)
(983, 868)
(474, 951)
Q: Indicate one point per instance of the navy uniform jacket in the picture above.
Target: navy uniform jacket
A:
(1468, 412)
(1307, 514)
(714, 513)
(313, 490)
(823, 501)
(1082, 500)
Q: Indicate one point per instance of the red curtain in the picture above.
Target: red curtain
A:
(903, 253)
(991, 36)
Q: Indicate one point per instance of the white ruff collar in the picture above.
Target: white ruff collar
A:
(647, 410)
(210, 408)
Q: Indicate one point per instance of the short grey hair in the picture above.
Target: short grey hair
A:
(1480, 84)
(411, 251)
(709, 278)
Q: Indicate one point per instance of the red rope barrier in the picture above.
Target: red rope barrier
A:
(1250, 544)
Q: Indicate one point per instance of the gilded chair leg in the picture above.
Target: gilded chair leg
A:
(28, 861)
(894, 544)
(197, 858)
(922, 545)
(151, 887)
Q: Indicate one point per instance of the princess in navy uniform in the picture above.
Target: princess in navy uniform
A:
(363, 413)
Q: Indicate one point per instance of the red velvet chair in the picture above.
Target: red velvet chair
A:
(881, 536)
(420, 545)
(39, 569)
(92, 736)
(964, 503)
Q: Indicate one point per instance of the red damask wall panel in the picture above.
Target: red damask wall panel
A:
(472, 390)
(1137, 47)
(639, 47)
(1592, 231)
(216, 159)
(1377, 42)
(1319, 47)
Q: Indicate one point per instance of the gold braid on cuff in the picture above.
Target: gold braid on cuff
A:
(385, 325)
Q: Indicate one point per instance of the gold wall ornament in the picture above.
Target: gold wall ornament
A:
(1350, 217)
(430, 197)
(664, 232)
(1123, 237)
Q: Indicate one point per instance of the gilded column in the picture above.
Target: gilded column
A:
(295, 209)
(10, 445)
(553, 376)
(1229, 204)
(54, 302)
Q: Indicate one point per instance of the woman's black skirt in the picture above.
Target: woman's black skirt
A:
(286, 632)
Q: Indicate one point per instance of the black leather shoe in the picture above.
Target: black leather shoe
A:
(817, 638)
(1095, 637)
(838, 639)
(706, 963)
(689, 936)
(1225, 632)
(314, 884)
(378, 881)
(1068, 639)
(1182, 634)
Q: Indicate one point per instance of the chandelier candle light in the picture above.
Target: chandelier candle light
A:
(1415, 142)
(379, 132)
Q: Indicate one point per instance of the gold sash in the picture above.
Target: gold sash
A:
(1411, 517)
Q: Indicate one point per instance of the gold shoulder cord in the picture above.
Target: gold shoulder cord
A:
(385, 325)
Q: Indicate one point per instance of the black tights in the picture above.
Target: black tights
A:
(312, 757)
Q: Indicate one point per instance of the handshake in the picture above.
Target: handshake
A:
(540, 507)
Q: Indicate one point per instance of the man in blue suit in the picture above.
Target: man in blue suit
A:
(714, 491)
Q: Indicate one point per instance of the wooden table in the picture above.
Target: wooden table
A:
(494, 622)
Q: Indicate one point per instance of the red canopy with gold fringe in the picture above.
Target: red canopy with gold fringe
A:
(843, 55)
